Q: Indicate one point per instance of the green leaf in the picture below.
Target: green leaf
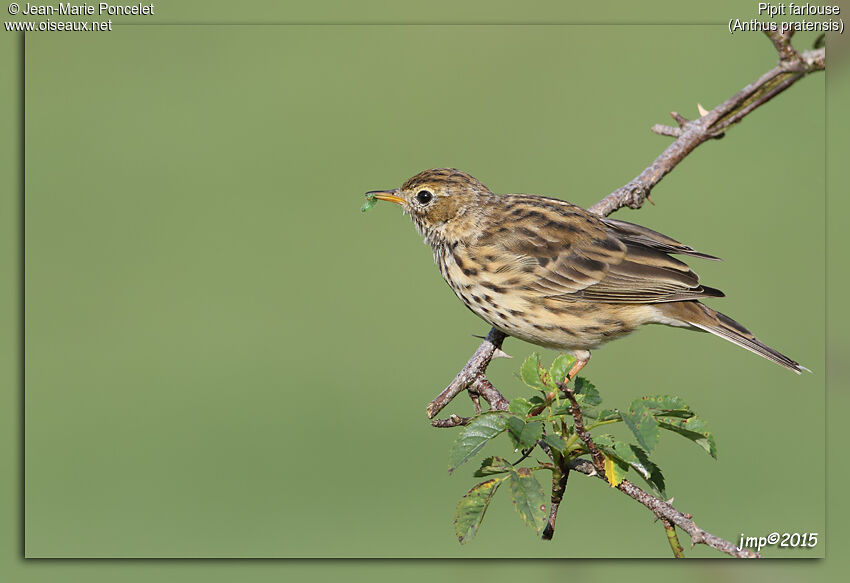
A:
(471, 508)
(555, 441)
(524, 434)
(590, 414)
(641, 422)
(588, 390)
(638, 459)
(515, 426)
(655, 478)
(528, 498)
(631, 456)
(530, 372)
(608, 415)
(667, 406)
(476, 434)
(493, 465)
(536, 400)
(370, 202)
(559, 369)
(604, 440)
(615, 469)
(562, 408)
(531, 434)
(520, 406)
(694, 429)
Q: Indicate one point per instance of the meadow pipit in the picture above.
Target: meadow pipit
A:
(553, 274)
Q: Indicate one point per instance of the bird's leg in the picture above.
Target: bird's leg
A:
(582, 358)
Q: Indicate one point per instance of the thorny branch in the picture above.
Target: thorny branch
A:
(666, 511)
(689, 134)
(792, 67)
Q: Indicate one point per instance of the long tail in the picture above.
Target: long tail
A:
(703, 317)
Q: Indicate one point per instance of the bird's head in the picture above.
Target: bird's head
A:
(435, 197)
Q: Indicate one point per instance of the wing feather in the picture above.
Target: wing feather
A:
(570, 254)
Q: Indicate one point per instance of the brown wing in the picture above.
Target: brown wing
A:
(570, 254)
(652, 239)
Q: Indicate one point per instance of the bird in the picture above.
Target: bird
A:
(551, 273)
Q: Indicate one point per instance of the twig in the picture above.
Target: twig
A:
(476, 401)
(782, 42)
(673, 539)
(471, 372)
(578, 421)
(559, 486)
(689, 134)
(792, 67)
(666, 511)
(481, 386)
(453, 421)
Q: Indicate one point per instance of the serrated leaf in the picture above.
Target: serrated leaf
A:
(664, 402)
(604, 440)
(515, 426)
(638, 459)
(655, 478)
(588, 391)
(694, 429)
(562, 408)
(471, 508)
(476, 434)
(529, 372)
(590, 415)
(640, 421)
(528, 498)
(520, 406)
(634, 457)
(622, 451)
(531, 434)
(555, 441)
(559, 369)
(667, 406)
(493, 465)
(615, 470)
(608, 415)
(524, 434)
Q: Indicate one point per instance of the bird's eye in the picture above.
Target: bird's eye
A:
(424, 197)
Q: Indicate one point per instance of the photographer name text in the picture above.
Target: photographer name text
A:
(100, 9)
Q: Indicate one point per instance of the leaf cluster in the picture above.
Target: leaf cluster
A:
(545, 420)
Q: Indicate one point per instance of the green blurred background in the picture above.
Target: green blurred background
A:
(225, 359)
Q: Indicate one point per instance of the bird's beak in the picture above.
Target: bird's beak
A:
(387, 195)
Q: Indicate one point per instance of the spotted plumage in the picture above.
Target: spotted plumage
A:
(553, 274)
